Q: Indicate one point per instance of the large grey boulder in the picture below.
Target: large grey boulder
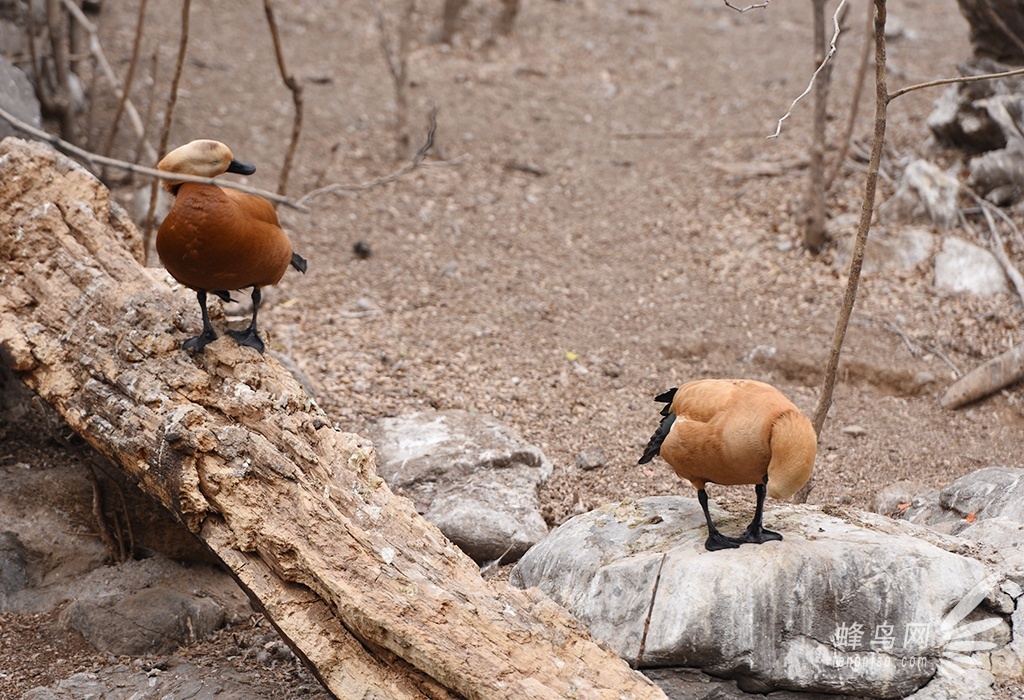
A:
(469, 474)
(853, 606)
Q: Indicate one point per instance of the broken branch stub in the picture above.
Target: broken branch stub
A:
(371, 594)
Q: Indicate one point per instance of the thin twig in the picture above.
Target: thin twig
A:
(999, 250)
(165, 132)
(96, 49)
(953, 81)
(821, 67)
(94, 160)
(910, 342)
(748, 8)
(154, 62)
(867, 209)
(398, 64)
(128, 78)
(296, 89)
(862, 71)
(428, 144)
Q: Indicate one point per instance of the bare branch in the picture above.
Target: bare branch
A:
(296, 89)
(428, 144)
(108, 72)
(165, 132)
(953, 81)
(821, 67)
(996, 243)
(94, 160)
(862, 71)
(748, 8)
(863, 228)
(124, 102)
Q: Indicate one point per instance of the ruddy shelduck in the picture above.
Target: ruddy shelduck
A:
(218, 239)
(735, 431)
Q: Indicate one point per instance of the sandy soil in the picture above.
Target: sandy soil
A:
(593, 230)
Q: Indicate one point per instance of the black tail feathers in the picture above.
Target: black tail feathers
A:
(299, 263)
(666, 398)
(654, 446)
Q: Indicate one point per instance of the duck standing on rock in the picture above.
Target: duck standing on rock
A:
(216, 240)
(735, 431)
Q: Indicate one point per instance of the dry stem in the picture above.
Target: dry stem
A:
(821, 67)
(428, 144)
(108, 72)
(94, 159)
(124, 101)
(862, 71)
(296, 89)
(165, 132)
(857, 261)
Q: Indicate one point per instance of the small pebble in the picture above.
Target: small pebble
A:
(855, 430)
(592, 458)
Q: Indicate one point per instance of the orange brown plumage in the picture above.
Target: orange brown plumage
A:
(735, 431)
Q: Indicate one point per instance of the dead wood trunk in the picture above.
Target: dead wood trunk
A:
(988, 378)
(371, 594)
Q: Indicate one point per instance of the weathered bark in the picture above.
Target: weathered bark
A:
(372, 595)
(988, 378)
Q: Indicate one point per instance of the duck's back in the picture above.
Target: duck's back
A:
(722, 431)
(222, 239)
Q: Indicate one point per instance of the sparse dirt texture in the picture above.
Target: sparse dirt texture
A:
(603, 218)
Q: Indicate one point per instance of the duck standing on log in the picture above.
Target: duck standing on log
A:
(735, 431)
(215, 240)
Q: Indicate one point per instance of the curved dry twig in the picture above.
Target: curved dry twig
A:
(94, 160)
(417, 160)
(748, 8)
(814, 75)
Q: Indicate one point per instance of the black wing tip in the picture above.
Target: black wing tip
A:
(653, 448)
(299, 263)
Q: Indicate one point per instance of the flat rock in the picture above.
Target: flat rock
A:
(469, 474)
(992, 492)
(852, 606)
(895, 248)
(964, 267)
(152, 606)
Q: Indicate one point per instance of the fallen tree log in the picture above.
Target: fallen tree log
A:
(374, 597)
(991, 376)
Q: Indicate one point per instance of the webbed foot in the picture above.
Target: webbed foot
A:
(249, 338)
(199, 343)
(759, 535)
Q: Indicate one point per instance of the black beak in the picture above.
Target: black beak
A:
(241, 168)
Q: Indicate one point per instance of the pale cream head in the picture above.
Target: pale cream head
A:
(204, 158)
